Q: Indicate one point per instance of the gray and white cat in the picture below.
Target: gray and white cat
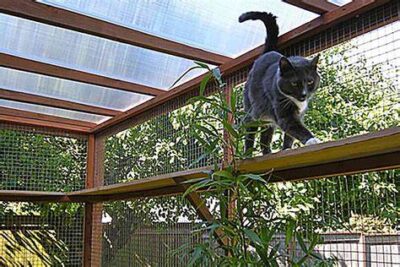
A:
(278, 90)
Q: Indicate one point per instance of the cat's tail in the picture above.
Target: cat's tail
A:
(271, 41)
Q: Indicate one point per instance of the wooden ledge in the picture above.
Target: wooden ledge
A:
(368, 152)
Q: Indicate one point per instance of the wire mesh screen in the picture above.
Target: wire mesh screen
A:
(149, 232)
(41, 234)
(356, 217)
(360, 78)
(39, 160)
(163, 143)
(360, 70)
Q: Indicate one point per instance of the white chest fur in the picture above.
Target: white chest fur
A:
(302, 105)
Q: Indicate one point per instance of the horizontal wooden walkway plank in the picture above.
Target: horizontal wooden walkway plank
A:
(368, 152)
(33, 196)
(356, 147)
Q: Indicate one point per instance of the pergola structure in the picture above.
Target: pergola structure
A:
(373, 151)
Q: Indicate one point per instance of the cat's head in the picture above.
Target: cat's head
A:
(298, 77)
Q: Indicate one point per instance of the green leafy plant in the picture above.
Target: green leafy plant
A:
(251, 228)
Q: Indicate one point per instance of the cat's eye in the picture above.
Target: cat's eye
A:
(310, 82)
(294, 84)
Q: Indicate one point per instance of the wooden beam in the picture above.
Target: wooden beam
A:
(306, 30)
(202, 210)
(47, 124)
(346, 167)
(371, 144)
(90, 161)
(29, 65)
(93, 231)
(330, 155)
(298, 34)
(141, 185)
(54, 102)
(17, 114)
(63, 18)
(359, 154)
(89, 207)
(33, 196)
(316, 6)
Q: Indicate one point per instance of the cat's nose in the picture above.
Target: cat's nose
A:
(303, 97)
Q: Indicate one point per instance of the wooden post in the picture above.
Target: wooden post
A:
(228, 157)
(92, 237)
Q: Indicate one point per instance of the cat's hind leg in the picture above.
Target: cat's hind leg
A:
(267, 132)
(249, 139)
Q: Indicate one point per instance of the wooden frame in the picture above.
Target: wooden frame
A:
(316, 6)
(29, 65)
(298, 34)
(39, 119)
(55, 103)
(340, 156)
(63, 18)
(92, 237)
(368, 152)
(38, 12)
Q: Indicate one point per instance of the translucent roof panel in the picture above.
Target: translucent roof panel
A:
(53, 111)
(69, 90)
(208, 24)
(88, 53)
(340, 2)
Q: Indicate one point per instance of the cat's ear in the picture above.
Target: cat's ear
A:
(285, 65)
(314, 61)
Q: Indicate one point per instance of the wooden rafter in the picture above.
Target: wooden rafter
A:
(19, 63)
(54, 102)
(41, 123)
(298, 34)
(316, 6)
(39, 119)
(59, 17)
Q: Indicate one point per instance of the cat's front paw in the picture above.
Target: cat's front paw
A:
(313, 141)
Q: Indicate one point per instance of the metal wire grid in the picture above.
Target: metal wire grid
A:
(357, 217)
(147, 232)
(347, 30)
(163, 143)
(166, 148)
(41, 234)
(40, 160)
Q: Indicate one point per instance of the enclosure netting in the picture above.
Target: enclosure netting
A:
(35, 159)
(41, 234)
(359, 93)
(357, 216)
(149, 232)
